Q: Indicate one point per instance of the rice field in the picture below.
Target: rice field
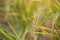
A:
(29, 19)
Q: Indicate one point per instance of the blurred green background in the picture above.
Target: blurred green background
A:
(29, 19)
